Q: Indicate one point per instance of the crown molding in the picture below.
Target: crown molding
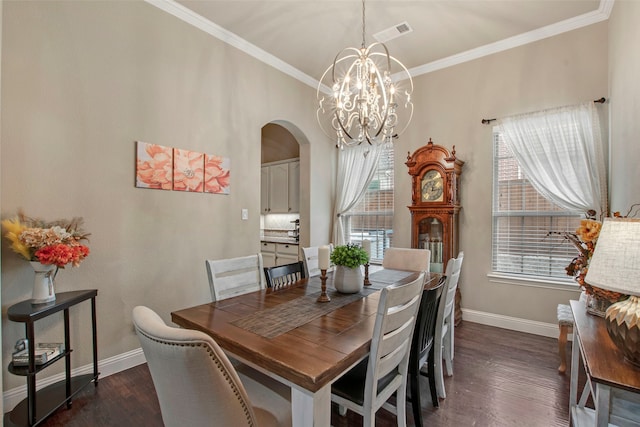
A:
(602, 14)
(198, 21)
(606, 6)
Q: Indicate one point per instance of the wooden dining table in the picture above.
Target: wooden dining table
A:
(291, 337)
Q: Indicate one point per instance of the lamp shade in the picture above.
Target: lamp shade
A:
(615, 264)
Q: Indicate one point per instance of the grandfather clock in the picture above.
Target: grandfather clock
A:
(435, 205)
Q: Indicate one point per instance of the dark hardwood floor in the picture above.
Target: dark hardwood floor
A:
(501, 378)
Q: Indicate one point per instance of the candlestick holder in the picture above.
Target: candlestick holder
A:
(366, 275)
(323, 295)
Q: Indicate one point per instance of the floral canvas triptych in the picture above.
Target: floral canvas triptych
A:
(168, 168)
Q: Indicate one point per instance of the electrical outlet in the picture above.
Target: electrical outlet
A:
(245, 214)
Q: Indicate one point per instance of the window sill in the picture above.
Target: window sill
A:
(534, 282)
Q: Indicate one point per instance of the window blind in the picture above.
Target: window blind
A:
(372, 217)
(527, 228)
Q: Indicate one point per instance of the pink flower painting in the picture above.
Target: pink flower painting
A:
(170, 168)
(216, 174)
(188, 170)
(154, 166)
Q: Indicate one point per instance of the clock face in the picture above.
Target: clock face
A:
(432, 186)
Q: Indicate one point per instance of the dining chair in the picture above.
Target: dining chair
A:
(310, 259)
(422, 349)
(284, 275)
(198, 386)
(366, 388)
(235, 276)
(406, 259)
(445, 323)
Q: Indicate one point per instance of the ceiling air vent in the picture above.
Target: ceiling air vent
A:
(393, 32)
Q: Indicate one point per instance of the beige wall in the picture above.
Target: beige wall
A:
(81, 82)
(624, 90)
(450, 104)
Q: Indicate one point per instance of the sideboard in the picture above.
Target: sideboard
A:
(613, 383)
(39, 405)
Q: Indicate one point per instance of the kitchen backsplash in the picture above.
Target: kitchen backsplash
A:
(277, 225)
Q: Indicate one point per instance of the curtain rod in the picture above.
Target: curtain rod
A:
(599, 101)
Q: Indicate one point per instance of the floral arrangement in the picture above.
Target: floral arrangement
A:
(585, 239)
(56, 242)
(349, 255)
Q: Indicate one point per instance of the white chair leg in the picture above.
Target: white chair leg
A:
(448, 362)
(369, 418)
(452, 335)
(448, 349)
(439, 377)
(401, 408)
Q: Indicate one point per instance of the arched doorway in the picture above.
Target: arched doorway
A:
(283, 143)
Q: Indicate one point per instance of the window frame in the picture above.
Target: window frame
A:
(383, 239)
(535, 254)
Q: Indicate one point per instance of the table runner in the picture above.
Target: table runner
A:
(385, 277)
(272, 322)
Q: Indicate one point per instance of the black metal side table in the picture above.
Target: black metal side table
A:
(39, 405)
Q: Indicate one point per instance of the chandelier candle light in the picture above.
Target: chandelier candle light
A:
(615, 266)
(364, 95)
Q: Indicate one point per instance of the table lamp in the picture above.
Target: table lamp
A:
(615, 266)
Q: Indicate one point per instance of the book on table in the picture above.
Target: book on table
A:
(43, 353)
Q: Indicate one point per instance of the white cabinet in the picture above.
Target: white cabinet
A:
(264, 189)
(280, 187)
(274, 254)
(286, 253)
(294, 186)
(268, 251)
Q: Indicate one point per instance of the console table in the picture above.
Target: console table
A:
(613, 383)
(39, 405)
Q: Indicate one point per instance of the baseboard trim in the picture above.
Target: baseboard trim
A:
(512, 323)
(106, 367)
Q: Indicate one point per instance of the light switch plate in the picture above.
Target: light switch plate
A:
(245, 213)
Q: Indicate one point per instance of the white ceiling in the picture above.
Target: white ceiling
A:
(302, 37)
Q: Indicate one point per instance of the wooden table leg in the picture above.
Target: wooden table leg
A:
(562, 347)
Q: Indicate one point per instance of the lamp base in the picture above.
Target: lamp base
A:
(623, 325)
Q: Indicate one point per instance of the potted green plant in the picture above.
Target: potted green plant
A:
(348, 276)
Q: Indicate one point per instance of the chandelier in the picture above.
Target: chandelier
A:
(359, 95)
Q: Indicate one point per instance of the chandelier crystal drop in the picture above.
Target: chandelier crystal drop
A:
(360, 94)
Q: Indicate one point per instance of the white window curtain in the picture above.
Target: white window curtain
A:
(562, 154)
(356, 169)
